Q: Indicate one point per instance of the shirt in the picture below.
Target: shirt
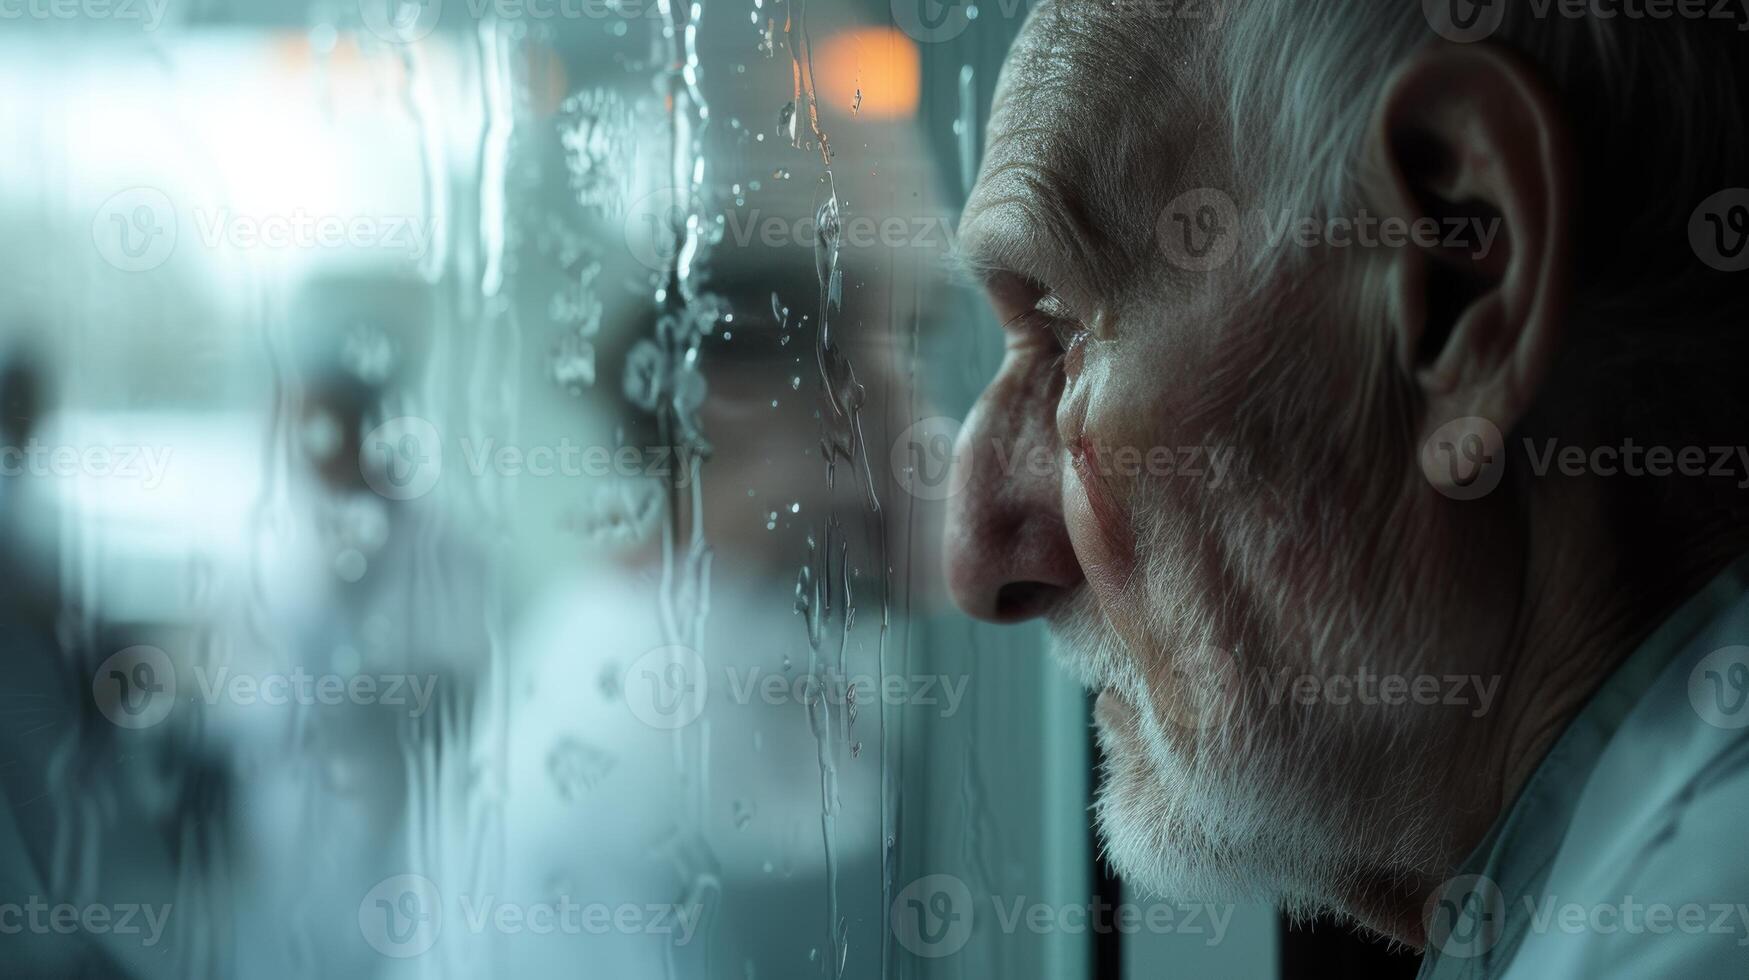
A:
(1625, 854)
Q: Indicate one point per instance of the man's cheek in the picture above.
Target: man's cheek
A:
(1108, 559)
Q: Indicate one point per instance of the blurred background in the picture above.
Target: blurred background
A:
(470, 474)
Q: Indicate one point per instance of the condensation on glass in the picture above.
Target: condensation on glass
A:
(454, 527)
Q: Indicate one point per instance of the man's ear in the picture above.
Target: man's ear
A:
(1466, 141)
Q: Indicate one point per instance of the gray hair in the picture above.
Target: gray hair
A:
(1655, 340)
(1657, 108)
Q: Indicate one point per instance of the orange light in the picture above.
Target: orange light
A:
(547, 82)
(881, 61)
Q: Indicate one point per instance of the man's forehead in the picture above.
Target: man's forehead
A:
(1089, 130)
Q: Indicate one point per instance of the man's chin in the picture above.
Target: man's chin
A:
(1156, 852)
(1138, 821)
(1187, 830)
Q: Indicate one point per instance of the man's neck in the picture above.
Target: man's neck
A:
(1594, 586)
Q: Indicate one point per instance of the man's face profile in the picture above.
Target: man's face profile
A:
(1278, 349)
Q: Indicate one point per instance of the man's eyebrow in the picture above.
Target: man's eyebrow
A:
(975, 268)
(1041, 234)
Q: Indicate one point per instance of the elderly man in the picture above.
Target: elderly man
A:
(1389, 357)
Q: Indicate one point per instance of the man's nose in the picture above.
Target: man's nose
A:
(1008, 552)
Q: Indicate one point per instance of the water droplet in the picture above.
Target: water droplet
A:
(369, 354)
(573, 364)
(558, 886)
(321, 434)
(643, 375)
(577, 768)
(350, 565)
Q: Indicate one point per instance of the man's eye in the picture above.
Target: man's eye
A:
(1068, 333)
(1050, 304)
(1062, 322)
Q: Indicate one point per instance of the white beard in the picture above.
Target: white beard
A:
(1212, 792)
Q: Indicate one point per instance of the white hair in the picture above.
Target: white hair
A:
(1657, 108)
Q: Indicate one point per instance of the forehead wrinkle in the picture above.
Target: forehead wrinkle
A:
(1039, 227)
(1083, 163)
